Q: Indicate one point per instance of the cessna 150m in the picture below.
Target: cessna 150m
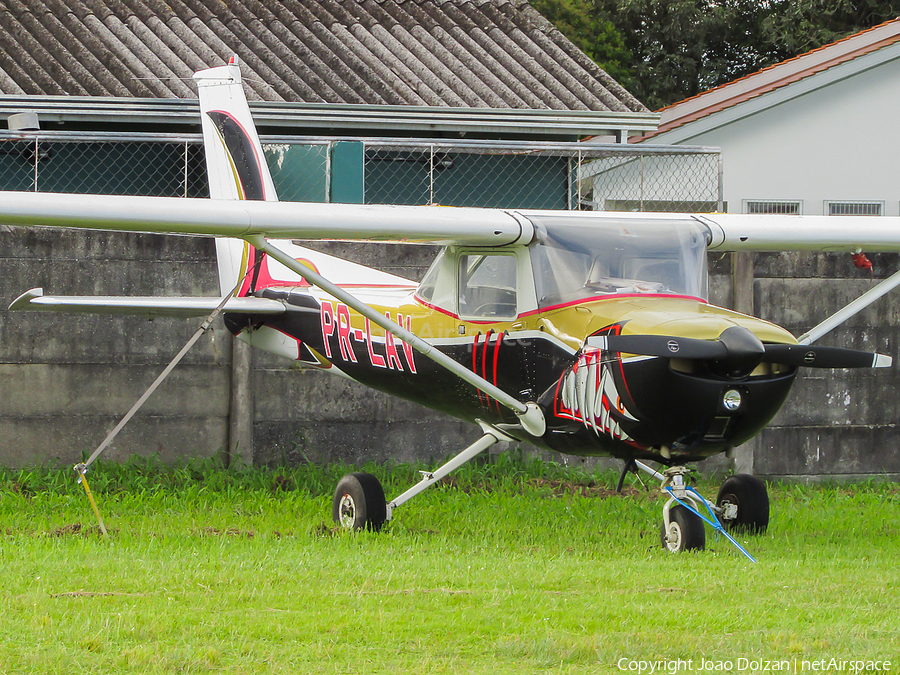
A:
(584, 333)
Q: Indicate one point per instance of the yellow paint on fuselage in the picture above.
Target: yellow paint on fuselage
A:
(651, 315)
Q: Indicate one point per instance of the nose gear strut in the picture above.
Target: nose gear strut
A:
(683, 508)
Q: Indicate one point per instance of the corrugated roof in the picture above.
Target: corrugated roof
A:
(438, 53)
(777, 76)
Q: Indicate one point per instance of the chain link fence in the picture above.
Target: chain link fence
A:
(550, 176)
(461, 173)
(104, 164)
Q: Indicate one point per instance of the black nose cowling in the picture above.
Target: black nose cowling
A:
(743, 352)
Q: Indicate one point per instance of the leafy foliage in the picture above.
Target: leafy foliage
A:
(800, 25)
(664, 51)
(593, 33)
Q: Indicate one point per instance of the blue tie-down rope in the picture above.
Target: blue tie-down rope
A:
(714, 523)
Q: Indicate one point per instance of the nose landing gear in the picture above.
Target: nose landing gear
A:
(682, 530)
(742, 504)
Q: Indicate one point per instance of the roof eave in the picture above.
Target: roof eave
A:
(136, 111)
(851, 52)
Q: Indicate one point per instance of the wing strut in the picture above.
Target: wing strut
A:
(529, 414)
(854, 307)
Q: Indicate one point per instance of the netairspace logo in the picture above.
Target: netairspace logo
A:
(745, 665)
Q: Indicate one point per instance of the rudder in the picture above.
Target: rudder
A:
(235, 164)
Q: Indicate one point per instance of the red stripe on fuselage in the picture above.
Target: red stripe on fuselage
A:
(496, 356)
(571, 303)
(612, 296)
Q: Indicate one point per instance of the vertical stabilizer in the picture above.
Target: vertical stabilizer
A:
(235, 163)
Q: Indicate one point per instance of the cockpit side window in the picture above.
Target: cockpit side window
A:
(487, 286)
(430, 280)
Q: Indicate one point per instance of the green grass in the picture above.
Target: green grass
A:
(511, 567)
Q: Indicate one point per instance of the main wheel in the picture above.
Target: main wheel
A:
(686, 532)
(748, 493)
(359, 503)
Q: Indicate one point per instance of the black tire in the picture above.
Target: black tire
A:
(359, 503)
(686, 529)
(751, 497)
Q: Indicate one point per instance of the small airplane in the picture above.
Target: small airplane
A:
(586, 333)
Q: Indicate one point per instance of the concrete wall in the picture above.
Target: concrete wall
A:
(840, 423)
(65, 380)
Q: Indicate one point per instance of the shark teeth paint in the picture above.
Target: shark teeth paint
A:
(588, 394)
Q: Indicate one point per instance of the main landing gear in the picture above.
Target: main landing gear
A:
(745, 503)
(359, 502)
(742, 506)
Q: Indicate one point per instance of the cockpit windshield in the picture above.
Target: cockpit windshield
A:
(580, 257)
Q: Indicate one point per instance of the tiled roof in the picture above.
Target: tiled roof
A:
(449, 53)
(777, 76)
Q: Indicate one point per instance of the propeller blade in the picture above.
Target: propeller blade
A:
(811, 356)
(735, 346)
(667, 346)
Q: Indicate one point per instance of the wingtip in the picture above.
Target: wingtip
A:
(882, 361)
(24, 300)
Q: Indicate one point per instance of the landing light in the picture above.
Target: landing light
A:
(732, 400)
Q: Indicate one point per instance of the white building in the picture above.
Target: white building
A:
(817, 134)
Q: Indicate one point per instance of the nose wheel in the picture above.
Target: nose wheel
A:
(743, 504)
(684, 531)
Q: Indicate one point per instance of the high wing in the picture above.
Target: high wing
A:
(244, 205)
(271, 219)
(738, 232)
(415, 224)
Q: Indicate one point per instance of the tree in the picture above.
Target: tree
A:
(592, 32)
(664, 51)
(797, 26)
(683, 47)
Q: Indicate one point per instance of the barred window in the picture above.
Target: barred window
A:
(854, 208)
(783, 207)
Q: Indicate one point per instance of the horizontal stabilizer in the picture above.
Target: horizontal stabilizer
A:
(148, 306)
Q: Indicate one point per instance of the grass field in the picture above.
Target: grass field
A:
(512, 567)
